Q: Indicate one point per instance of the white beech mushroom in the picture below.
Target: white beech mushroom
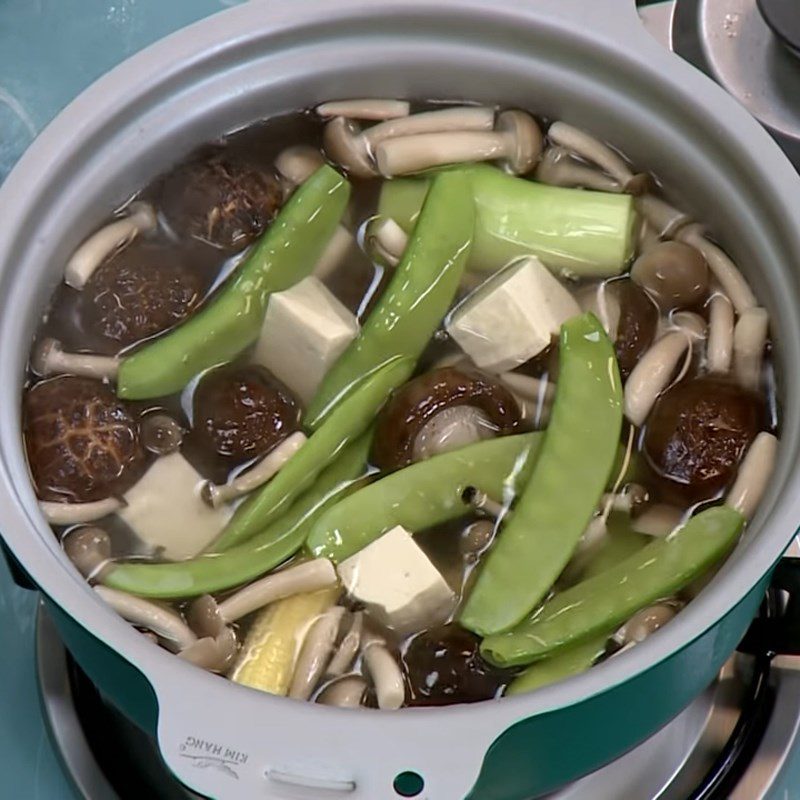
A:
(534, 396)
(644, 623)
(603, 304)
(725, 271)
(516, 143)
(364, 108)
(315, 653)
(386, 240)
(587, 147)
(76, 513)
(215, 654)
(50, 359)
(631, 498)
(89, 549)
(348, 647)
(720, 334)
(207, 617)
(346, 692)
(647, 237)
(673, 273)
(754, 474)
(160, 434)
(664, 219)
(386, 675)
(296, 164)
(690, 323)
(141, 218)
(163, 621)
(558, 168)
(658, 520)
(652, 375)
(749, 340)
(215, 495)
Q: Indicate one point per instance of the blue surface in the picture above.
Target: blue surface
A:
(49, 51)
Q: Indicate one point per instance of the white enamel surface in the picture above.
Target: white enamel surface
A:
(179, 94)
(305, 330)
(512, 317)
(164, 509)
(397, 582)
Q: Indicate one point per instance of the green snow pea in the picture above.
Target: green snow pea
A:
(601, 604)
(564, 665)
(571, 230)
(417, 298)
(217, 572)
(423, 494)
(232, 319)
(574, 462)
(348, 421)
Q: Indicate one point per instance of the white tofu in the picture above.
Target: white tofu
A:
(512, 316)
(397, 582)
(164, 509)
(305, 330)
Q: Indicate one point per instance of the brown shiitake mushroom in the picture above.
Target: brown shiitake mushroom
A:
(697, 433)
(241, 413)
(82, 442)
(444, 665)
(220, 200)
(422, 400)
(142, 291)
(636, 329)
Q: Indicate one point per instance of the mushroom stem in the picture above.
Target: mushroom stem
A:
(755, 472)
(257, 475)
(296, 165)
(537, 390)
(690, 323)
(339, 246)
(387, 240)
(315, 652)
(306, 577)
(214, 654)
(385, 674)
(348, 648)
(87, 258)
(161, 620)
(726, 272)
(89, 549)
(582, 144)
(604, 304)
(460, 118)
(644, 623)
(481, 501)
(558, 168)
(516, 142)
(647, 239)
(664, 220)
(76, 513)
(50, 359)
(749, 340)
(652, 374)
(720, 334)
(347, 692)
(658, 520)
(367, 108)
(632, 497)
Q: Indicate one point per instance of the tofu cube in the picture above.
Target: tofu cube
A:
(164, 509)
(512, 316)
(305, 330)
(397, 582)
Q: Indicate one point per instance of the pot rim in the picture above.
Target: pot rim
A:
(196, 48)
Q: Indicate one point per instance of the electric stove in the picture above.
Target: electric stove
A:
(60, 740)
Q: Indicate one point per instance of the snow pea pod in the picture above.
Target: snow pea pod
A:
(564, 665)
(602, 603)
(417, 298)
(231, 321)
(422, 495)
(348, 421)
(577, 453)
(217, 572)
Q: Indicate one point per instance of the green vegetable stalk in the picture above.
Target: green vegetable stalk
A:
(232, 320)
(601, 604)
(572, 231)
(574, 462)
(416, 300)
(423, 495)
(348, 421)
(217, 572)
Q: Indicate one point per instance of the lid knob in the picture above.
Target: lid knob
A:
(783, 17)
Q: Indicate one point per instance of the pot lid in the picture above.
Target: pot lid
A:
(752, 48)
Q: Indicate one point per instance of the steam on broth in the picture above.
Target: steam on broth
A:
(379, 404)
